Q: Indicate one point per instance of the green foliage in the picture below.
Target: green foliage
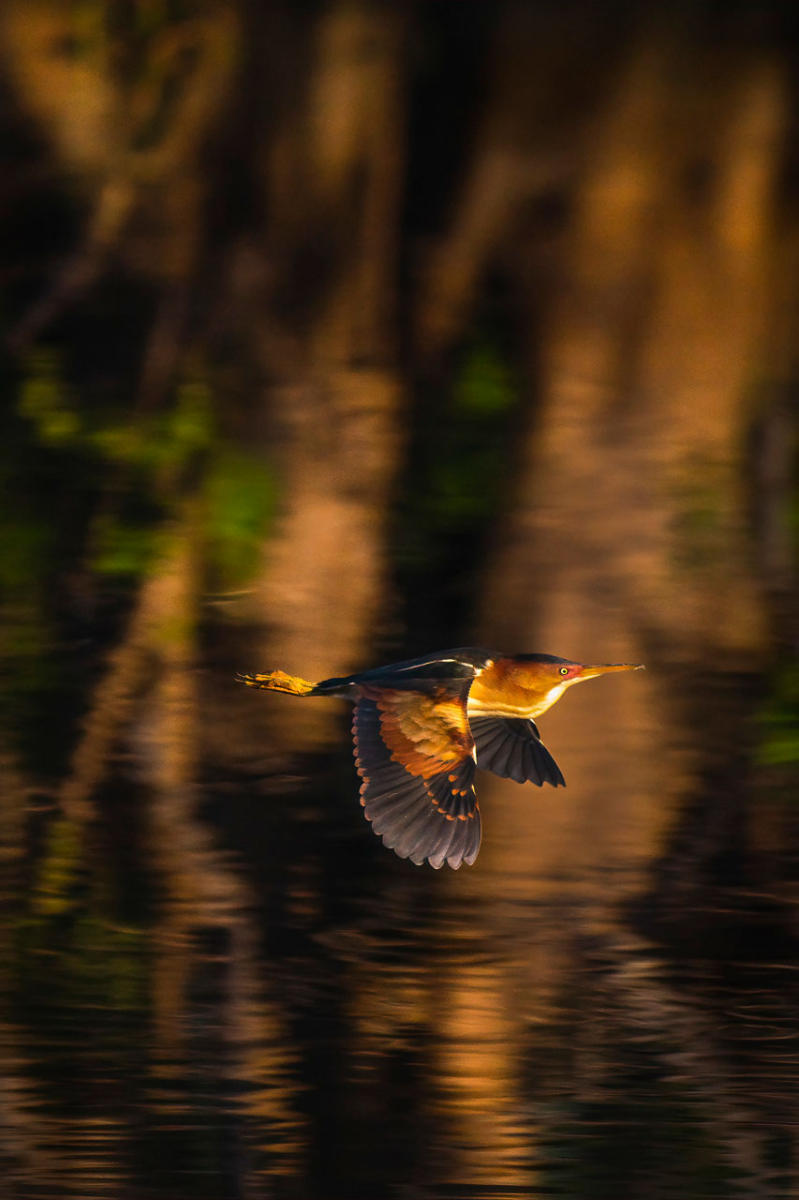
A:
(484, 386)
(46, 402)
(24, 545)
(159, 443)
(93, 488)
(129, 537)
(455, 489)
(468, 466)
(779, 720)
(86, 961)
(151, 17)
(190, 424)
(69, 946)
(700, 527)
(25, 642)
(58, 872)
(28, 538)
(240, 499)
(144, 456)
(148, 444)
(144, 459)
(124, 547)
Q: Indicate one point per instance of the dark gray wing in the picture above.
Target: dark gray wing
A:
(512, 748)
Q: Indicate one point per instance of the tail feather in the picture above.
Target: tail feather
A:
(278, 681)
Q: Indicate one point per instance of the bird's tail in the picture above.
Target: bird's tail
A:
(279, 681)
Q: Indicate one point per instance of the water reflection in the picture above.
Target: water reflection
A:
(178, 1027)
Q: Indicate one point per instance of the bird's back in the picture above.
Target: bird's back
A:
(414, 673)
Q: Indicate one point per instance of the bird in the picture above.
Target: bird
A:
(420, 728)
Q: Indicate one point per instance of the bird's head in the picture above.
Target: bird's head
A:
(547, 677)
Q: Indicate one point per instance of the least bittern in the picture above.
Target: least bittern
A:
(421, 726)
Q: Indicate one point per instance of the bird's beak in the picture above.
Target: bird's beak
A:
(606, 668)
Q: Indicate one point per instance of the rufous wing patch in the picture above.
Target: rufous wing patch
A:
(425, 733)
(414, 755)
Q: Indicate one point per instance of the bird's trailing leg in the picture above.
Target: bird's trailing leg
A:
(279, 681)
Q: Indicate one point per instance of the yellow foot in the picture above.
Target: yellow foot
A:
(278, 681)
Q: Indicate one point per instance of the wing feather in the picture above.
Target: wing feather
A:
(413, 751)
(512, 748)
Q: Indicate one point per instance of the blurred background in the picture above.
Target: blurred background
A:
(334, 333)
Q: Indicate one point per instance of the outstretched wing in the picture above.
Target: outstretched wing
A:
(414, 753)
(512, 748)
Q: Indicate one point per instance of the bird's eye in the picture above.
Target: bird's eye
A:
(564, 670)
